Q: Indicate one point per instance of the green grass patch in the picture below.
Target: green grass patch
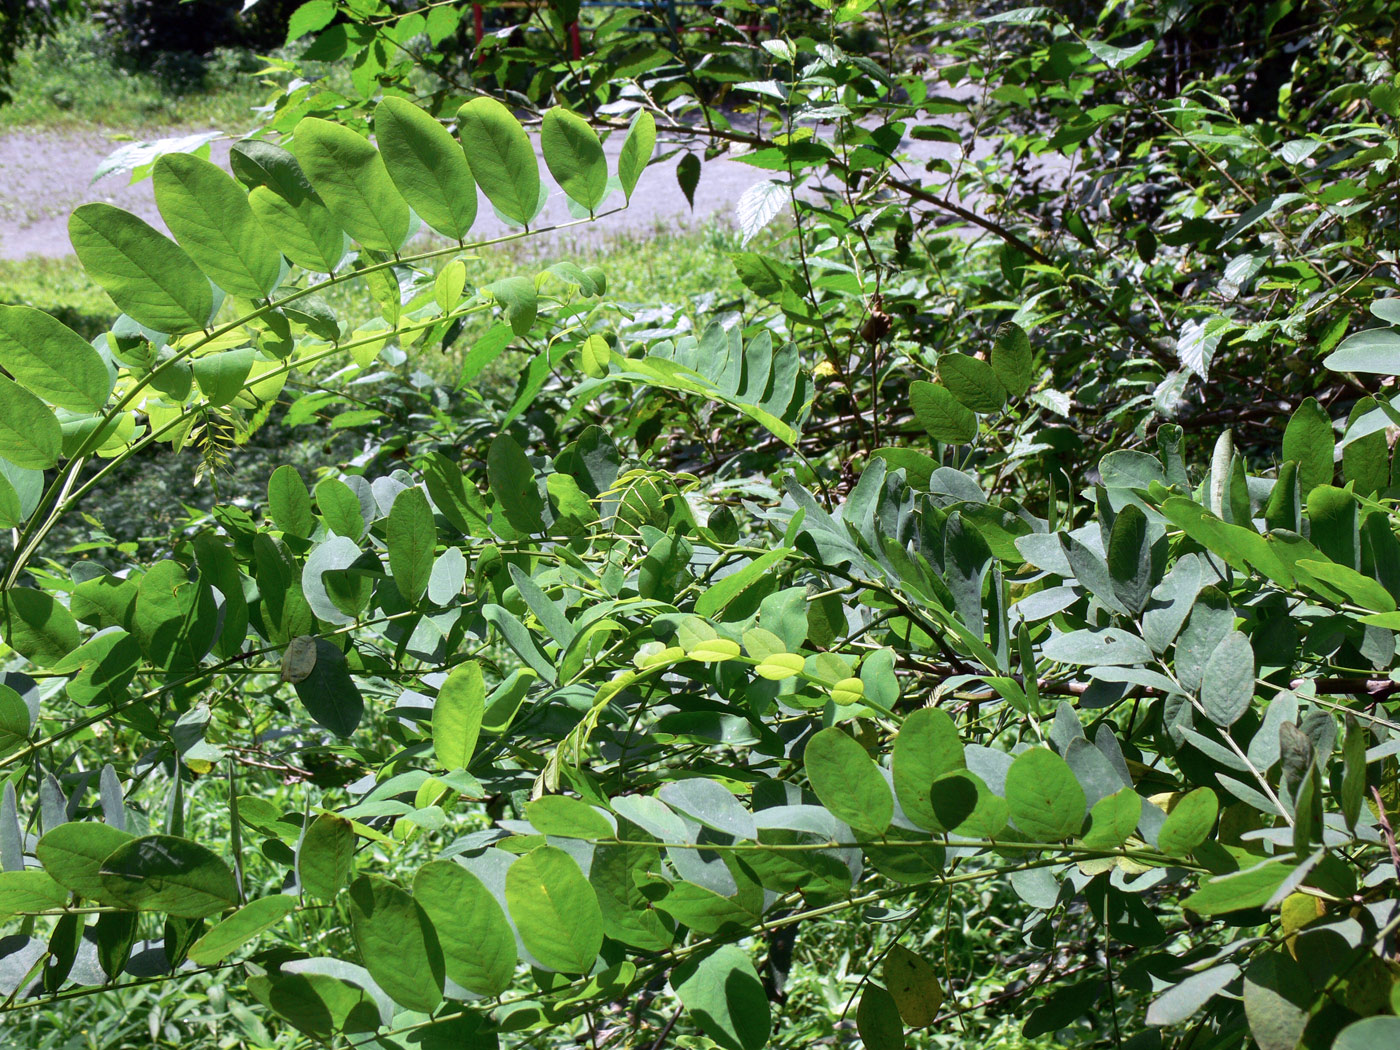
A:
(686, 269)
(73, 80)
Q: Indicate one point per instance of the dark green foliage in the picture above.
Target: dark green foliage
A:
(888, 592)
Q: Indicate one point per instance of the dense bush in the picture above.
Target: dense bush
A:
(1003, 591)
(146, 31)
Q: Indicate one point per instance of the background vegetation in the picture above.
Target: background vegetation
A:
(957, 604)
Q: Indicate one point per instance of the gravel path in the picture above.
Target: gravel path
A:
(45, 176)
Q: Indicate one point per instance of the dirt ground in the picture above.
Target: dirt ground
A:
(45, 176)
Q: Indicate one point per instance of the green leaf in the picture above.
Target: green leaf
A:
(1098, 647)
(657, 371)
(1227, 683)
(594, 355)
(724, 997)
(1375, 351)
(73, 853)
(51, 360)
(1251, 888)
(210, 217)
(513, 485)
(1011, 359)
(254, 918)
(926, 748)
(175, 618)
(22, 891)
(340, 507)
(329, 693)
(717, 596)
(289, 502)
(305, 232)
(972, 381)
(964, 804)
(221, 375)
(1189, 822)
(1113, 819)
(168, 874)
(457, 714)
(148, 276)
(349, 175)
(478, 945)
(636, 151)
(877, 1020)
(616, 875)
(555, 910)
(30, 435)
(1043, 797)
(1359, 589)
(913, 985)
(397, 943)
(521, 300)
(427, 165)
(941, 414)
(37, 626)
(1309, 441)
(412, 541)
(574, 157)
(1130, 559)
(1277, 1001)
(848, 781)
(501, 158)
(567, 817)
(1369, 1034)
(14, 721)
(11, 509)
(326, 855)
(918, 466)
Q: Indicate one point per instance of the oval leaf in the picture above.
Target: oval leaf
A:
(51, 360)
(397, 943)
(574, 157)
(555, 910)
(210, 217)
(349, 175)
(427, 165)
(501, 157)
(478, 945)
(168, 874)
(848, 781)
(149, 276)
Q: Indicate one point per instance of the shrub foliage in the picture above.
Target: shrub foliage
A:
(1025, 526)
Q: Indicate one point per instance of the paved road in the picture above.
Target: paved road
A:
(43, 177)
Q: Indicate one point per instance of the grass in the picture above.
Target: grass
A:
(686, 267)
(72, 80)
